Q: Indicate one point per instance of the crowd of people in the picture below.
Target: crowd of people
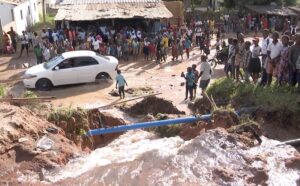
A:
(272, 57)
(126, 43)
(245, 23)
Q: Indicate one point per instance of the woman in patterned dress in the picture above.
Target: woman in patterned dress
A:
(283, 71)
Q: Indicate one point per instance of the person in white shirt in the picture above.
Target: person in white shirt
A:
(274, 50)
(46, 53)
(254, 67)
(198, 32)
(205, 73)
(24, 43)
(96, 46)
(190, 34)
(55, 37)
(45, 35)
(264, 53)
(139, 35)
(132, 34)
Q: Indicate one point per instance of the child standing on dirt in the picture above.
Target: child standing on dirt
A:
(197, 76)
(190, 81)
(121, 82)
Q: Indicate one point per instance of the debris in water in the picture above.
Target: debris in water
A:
(45, 143)
(224, 119)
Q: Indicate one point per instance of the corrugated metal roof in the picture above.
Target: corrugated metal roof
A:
(80, 2)
(11, 2)
(271, 10)
(112, 11)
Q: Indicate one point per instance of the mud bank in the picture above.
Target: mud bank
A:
(76, 122)
(29, 143)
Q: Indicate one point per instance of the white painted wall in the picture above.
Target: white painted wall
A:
(6, 15)
(28, 18)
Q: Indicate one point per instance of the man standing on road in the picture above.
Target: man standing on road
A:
(294, 62)
(205, 73)
(38, 51)
(264, 52)
(274, 50)
(24, 43)
(13, 36)
(121, 82)
(165, 43)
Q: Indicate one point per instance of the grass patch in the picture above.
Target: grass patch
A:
(29, 94)
(244, 93)
(74, 121)
(2, 91)
(239, 95)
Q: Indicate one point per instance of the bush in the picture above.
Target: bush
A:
(49, 23)
(222, 88)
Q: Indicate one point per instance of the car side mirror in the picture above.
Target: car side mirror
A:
(56, 68)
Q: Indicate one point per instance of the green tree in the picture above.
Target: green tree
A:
(235, 3)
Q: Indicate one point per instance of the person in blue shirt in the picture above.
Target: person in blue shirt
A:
(187, 46)
(190, 81)
(121, 82)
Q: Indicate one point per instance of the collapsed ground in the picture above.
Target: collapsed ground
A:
(35, 136)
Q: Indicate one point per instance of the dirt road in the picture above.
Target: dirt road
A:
(164, 78)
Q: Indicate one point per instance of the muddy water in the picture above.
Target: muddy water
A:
(214, 158)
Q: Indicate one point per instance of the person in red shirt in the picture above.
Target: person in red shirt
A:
(152, 51)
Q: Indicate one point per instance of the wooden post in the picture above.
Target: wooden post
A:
(44, 12)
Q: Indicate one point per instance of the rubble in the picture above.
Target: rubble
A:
(200, 106)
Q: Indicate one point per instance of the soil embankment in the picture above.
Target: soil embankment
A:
(30, 143)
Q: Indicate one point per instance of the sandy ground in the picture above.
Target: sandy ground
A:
(164, 78)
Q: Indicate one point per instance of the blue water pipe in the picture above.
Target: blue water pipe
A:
(149, 124)
(190, 119)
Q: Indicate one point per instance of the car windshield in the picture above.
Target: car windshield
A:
(53, 62)
(103, 56)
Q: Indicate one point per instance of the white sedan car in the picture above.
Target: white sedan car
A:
(71, 68)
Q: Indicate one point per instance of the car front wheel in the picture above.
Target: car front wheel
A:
(43, 85)
(102, 77)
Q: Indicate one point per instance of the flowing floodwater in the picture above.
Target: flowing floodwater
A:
(214, 158)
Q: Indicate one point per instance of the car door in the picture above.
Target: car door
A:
(63, 73)
(86, 68)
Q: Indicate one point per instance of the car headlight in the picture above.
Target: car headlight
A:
(28, 76)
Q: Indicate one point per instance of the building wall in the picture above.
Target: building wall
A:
(26, 14)
(177, 9)
(6, 16)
